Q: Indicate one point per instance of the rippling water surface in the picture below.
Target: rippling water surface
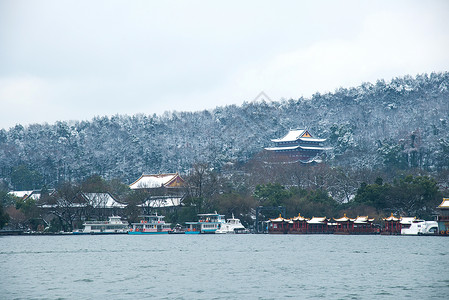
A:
(224, 267)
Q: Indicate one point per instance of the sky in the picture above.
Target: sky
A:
(74, 60)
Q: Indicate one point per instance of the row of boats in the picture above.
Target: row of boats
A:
(155, 224)
(214, 223)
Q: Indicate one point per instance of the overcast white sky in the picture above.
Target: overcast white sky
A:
(73, 60)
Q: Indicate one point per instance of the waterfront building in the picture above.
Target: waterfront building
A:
(279, 225)
(443, 217)
(318, 225)
(344, 224)
(392, 225)
(299, 224)
(297, 146)
(363, 224)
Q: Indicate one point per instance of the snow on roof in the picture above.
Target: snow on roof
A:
(20, 194)
(299, 218)
(291, 136)
(312, 139)
(36, 195)
(297, 147)
(63, 204)
(316, 220)
(103, 200)
(391, 218)
(164, 202)
(444, 204)
(282, 148)
(344, 219)
(407, 220)
(279, 219)
(150, 181)
(315, 148)
(362, 220)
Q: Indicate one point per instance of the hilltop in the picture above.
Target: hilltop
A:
(401, 124)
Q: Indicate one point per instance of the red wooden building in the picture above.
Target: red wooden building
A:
(392, 225)
(299, 224)
(279, 225)
(318, 225)
(364, 225)
(344, 225)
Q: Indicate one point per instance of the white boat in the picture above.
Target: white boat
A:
(151, 224)
(114, 225)
(420, 227)
(207, 223)
(232, 225)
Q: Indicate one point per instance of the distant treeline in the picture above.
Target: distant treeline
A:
(310, 190)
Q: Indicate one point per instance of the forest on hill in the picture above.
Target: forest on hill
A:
(390, 153)
(394, 133)
(402, 124)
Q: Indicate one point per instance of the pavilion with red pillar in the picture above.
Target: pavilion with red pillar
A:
(392, 225)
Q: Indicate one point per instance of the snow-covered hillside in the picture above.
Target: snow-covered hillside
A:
(402, 123)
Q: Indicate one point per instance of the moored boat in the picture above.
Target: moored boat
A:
(207, 223)
(232, 225)
(150, 224)
(114, 225)
(420, 227)
(178, 229)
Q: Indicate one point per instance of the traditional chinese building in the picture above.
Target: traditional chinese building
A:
(318, 225)
(299, 224)
(298, 146)
(164, 190)
(443, 217)
(344, 225)
(279, 225)
(392, 225)
(152, 181)
(363, 224)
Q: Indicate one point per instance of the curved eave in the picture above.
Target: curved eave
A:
(298, 147)
(291, 136)
(299, 219)
(312, 139)
(344, 220)
(317, 220)
(391, 219)
(444, 204)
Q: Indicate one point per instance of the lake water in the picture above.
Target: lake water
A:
(224, 267)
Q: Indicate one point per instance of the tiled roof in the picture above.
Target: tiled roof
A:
(150, 181)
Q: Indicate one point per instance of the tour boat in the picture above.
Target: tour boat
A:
(207, 223)
(151, 224)
(114, 225)
(178, 229)
(232, 225)
(421, 227)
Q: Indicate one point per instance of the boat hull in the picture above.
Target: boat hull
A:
(147, 232)
(97, 233)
